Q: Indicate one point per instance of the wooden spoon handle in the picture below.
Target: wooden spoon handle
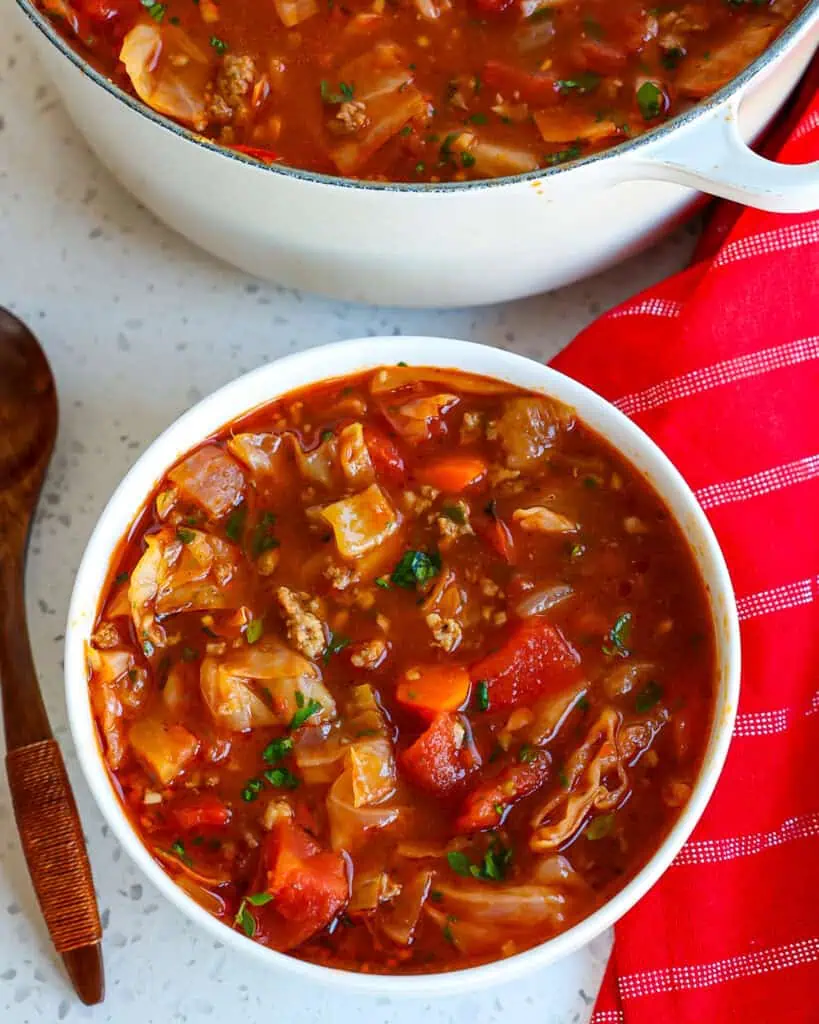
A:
(54, 848)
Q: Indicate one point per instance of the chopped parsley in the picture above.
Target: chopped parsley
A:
(526, 754)
(650, 100)
(577, 551)
(585, 82)
(345, 92)
(482, 695)
(436, 895)
(282, 778)
(147, 648)
(327, 435)
(563, 778)
(244, 919)
(620, 637)
(218, 44)
(455, 513)
(305, 710)
(419, 167)
(156, 10)
(186, 536)
(189, 654)
(416, 567)
(383, 582)
(600, 826)
(122, 577)
(478, 118)
(562, 156)
(277, 750)
(467, 159)
(406, 130)
(671, 58)
(254, 630)
(178, 850)
(498, 809)
(235, 526)
(252, 789)
(583, 704)
(259, 899)
(446, 146)
(648, 696)
(262, 539)
(493, 866)
(447, 931)
(336, 645)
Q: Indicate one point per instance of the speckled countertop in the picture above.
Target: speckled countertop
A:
(138, 326)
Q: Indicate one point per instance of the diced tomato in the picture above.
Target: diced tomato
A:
(203, 811)
(484, 806)
(535, 660)
(309, 887)
(537, 87)
(598, 55)
(266, 156)
(385, 456)
(498, 536)
(442, 757)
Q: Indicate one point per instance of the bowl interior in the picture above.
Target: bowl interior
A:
(264, 385)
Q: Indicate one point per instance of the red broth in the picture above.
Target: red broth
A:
(404, 672)
(421, 90)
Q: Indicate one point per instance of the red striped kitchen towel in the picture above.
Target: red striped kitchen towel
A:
(720, 365)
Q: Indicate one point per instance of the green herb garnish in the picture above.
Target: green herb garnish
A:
(235, 526)
(305, 710)
(455, 513)
(620, 637)
(147, 648)
(252, 789)
(467, 159)
(583, 83)
(337, 644)
(122, 577)
(650, 100)
(189, 654)
(478, 118)
(277, 750)
(671, 58)
(254, 630)
(416, 567)
(600, 826)
(218, 44)
(526, 754)
(345, 92)
(482, 695)
(562, 156)
(186, 536)
(383, 582)
(245, 920)
(648, 697)
(178, 849)
(282, 778)
(262, 540)
(156, 10)
(259, 899)
(459, 862)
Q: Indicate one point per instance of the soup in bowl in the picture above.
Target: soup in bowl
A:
(403, 669)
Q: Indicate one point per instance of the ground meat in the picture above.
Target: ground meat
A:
(340, 576)
(106, 637)
(489, 588)
(351, 118)
(233, 83)
(418, 503)
(453, 528)
(471, 427)
(369, 655)
(447, 633)
(305, 631)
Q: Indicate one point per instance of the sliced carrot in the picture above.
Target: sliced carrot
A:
(454, 474)
(431, 689)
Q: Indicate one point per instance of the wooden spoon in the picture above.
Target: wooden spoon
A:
(44, 806)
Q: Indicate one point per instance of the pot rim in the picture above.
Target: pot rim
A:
(629, 146)
(336, 359)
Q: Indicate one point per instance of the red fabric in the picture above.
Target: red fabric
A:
(720, 365)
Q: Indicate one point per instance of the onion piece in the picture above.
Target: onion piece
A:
(543, 599)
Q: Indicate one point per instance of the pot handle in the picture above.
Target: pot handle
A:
(715, 159)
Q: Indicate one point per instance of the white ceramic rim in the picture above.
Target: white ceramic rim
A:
(338, 359)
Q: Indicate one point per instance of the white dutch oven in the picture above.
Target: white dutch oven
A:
(442, 245)
(278, 378)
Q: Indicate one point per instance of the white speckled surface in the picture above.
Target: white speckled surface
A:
(138, 325)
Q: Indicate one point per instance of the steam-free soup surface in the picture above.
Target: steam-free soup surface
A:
(421, 90)
(406, 672)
